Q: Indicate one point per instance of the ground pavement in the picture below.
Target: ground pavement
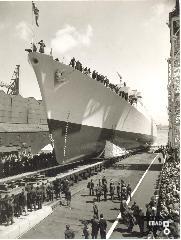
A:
(130, 170)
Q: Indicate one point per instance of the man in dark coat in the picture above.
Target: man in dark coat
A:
(57, 188)
(102, 226)
(29, 197)
(94, 74)
(123, 209)
(104, 181)
(42, 46)
(112, 189)
(72, 62)
(95, 210)
(98, 192)
(17, 207)
(90, 185)
(68, 198)
(33, 197)
(95, 227)
(1, 209)
(43, 188)
(23, 201)
(50, 191)
(140, 221)
(65, 185)
(130, 219)
(39, 197)
(105, 190)
(9, 211)
(135, 209)
(118, 188)
(129, 191)
(123, 192)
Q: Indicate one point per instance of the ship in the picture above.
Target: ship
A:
(83, 114)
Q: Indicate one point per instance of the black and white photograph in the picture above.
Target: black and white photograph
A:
(90, 119)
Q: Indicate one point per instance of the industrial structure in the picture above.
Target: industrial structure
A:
(13, 86)
(174, 78)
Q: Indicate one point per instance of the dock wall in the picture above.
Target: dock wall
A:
(23, 121)
(16, 109)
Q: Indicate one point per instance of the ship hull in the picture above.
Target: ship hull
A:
(82, 113)
(90, 141)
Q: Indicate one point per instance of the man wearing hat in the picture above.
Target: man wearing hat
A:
(102, 226)
(135, 209)
(95, 227)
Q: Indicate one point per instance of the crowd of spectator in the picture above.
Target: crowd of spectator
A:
(169, 195)
(103, 79)
(166, 207)
(16, 163)
(32, 198)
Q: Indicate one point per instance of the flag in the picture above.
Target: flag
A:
(36, 13)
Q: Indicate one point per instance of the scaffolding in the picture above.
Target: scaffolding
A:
(174, 79)
(13, 86)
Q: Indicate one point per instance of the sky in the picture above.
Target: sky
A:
(129, 37)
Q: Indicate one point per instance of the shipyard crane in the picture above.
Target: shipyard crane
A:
(174, 79)
(13, 86)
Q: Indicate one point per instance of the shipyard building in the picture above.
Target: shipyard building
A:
(22, 122)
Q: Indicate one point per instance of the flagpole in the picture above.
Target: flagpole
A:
(33, 32)
(32, 23)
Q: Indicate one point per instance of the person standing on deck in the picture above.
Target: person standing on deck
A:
(42, 46)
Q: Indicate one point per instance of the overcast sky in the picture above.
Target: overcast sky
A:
(129, 37)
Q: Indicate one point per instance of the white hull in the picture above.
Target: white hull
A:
(78, 100)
